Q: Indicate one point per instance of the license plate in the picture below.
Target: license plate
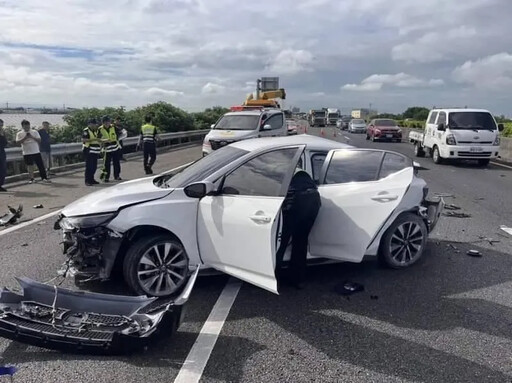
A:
(476, 149)
(389, 135)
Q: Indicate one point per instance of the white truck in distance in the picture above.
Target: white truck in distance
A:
(458, 134)
(333, 115)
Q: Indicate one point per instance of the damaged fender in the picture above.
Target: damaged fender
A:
(84, 322)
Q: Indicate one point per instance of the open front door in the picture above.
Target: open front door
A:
(359, 190)
(237, 229)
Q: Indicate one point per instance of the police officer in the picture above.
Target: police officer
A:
(91, 150)
(148, 138)
(111, 150)
(299, 213)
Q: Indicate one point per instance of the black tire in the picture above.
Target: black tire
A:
(436, 156)
(132, 266)
(367, 136)
(399, 248)
(418, 150)
(484, 162)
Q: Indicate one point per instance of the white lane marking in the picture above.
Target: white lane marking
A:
(500, 294)
(54, 213)
(506, 229)
(197, 358)
(498, 164)
(25, 224)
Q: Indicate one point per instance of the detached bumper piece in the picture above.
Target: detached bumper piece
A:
(432, 212)
(88, 323)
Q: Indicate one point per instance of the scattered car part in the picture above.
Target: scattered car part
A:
(456, 214)
(349, 288)
(39, 206)
(450, 206)
(12, 216)
(474, 253)
(506, 229)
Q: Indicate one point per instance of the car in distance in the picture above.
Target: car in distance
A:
(224, 212)
(343, 122)
(384, 129)
(357, 125)
(292, 126)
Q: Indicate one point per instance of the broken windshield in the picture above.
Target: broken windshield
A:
(471, 121)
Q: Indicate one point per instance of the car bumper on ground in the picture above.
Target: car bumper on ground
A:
(82, 322)
(474, 152)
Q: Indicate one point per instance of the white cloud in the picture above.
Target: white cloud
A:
(163, 92)
(291, 61)
(375, 82)
(491, 72)
(211, 88)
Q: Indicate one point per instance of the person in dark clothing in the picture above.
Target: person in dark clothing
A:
(91, 150)
(300, 210)
(119, 131)
(45, 146)
(3, 158)
(148, 139)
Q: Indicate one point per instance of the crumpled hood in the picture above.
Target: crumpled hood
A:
(113, 198)
(230, 135)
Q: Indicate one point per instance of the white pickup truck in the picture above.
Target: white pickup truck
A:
(458, 134)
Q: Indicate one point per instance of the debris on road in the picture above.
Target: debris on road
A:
(456, 214)
(374, 297)
(491, 241)
(8, 370)
(349, 288)
(12, 216)
(40, 206)
(479, 199)
(455, 248)
(450, 206)
(444, 195)
(506, 229)
(24, 245)
(474, 253)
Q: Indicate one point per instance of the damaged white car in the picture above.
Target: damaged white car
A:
(223, 211)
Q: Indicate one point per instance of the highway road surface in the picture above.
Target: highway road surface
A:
(447, 319)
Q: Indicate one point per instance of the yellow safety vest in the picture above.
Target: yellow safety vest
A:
(110, 134)
(93, 145)
(148, 133)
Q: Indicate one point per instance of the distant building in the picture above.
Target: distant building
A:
(362, 113)
(295, 110)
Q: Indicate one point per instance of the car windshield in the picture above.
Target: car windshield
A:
(319, 114)
(345, 119)
(333, 115)
(358, 121)
(200, 169)
(471, 120)
(385, 122)
(238, 122)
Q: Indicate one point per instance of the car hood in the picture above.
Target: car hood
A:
(473, 136)
(231, 134)
(115, 197)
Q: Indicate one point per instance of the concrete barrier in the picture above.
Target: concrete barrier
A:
(506, 149)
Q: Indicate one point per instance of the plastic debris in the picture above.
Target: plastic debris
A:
(349, 288)
(444, 195)
(450, 206)
(456, 214)
(40, 206)
(12, 216)
(24, 245)
(474, 253)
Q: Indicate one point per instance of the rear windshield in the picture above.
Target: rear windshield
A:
(240, 122)
(471, 120)
(385, 122)
(358, 121)
(345, 118)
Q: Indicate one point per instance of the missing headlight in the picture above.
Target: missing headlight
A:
(85, 222)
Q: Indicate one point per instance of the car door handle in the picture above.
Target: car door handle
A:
(385, 197)
(261, 219)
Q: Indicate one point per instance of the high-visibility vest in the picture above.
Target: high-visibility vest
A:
(148, 133)
(93, 145)
(110, 134)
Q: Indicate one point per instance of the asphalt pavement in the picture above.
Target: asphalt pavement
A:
(447, 319)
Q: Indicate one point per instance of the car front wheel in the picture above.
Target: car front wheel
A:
(156, 266)
(436, 156)
(404, 242)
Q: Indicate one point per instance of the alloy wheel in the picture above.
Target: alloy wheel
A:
(162, 269)
(406, 243)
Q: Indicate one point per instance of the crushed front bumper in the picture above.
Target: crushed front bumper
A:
(84, 322)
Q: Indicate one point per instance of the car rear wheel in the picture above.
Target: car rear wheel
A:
(404, 242)
(156, 266)
(418, 150)
(436, 156)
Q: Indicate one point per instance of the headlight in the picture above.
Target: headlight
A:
(497, 141)
(450, 140)
(85, 222)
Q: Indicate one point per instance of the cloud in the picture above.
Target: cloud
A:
(375, 82)
(211, 88)
(163, 92)
(291, 61)
(491, 72)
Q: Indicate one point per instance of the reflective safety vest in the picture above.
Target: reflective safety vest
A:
(148, 133)
(110, 134)
(93, 145)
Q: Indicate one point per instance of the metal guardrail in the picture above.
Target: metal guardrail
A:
(15, 154)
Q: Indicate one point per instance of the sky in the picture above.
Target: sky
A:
(200, 53)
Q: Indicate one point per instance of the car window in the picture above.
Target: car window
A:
(353, 166)
(432, 118)
(261, 176)
(442, 118)
(317, 161)
(393, 163)
(276, 121)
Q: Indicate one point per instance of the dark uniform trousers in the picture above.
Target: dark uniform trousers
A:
(149, 154)
(113, 158)
(91, 164)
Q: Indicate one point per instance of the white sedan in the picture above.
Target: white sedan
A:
(224, 212)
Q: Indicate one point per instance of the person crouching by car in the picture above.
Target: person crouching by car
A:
(30, 140)
(91, 150)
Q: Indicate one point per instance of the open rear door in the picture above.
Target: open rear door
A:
(237, 229)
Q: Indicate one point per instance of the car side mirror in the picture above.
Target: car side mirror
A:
(501, 127)
(212, 126)
(441, 127)
(266, 127)
(199, 189)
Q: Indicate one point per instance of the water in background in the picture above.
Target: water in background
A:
(36, 119)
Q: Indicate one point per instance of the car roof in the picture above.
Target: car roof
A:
(453, 110)
(255, 112)
(311, 142)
